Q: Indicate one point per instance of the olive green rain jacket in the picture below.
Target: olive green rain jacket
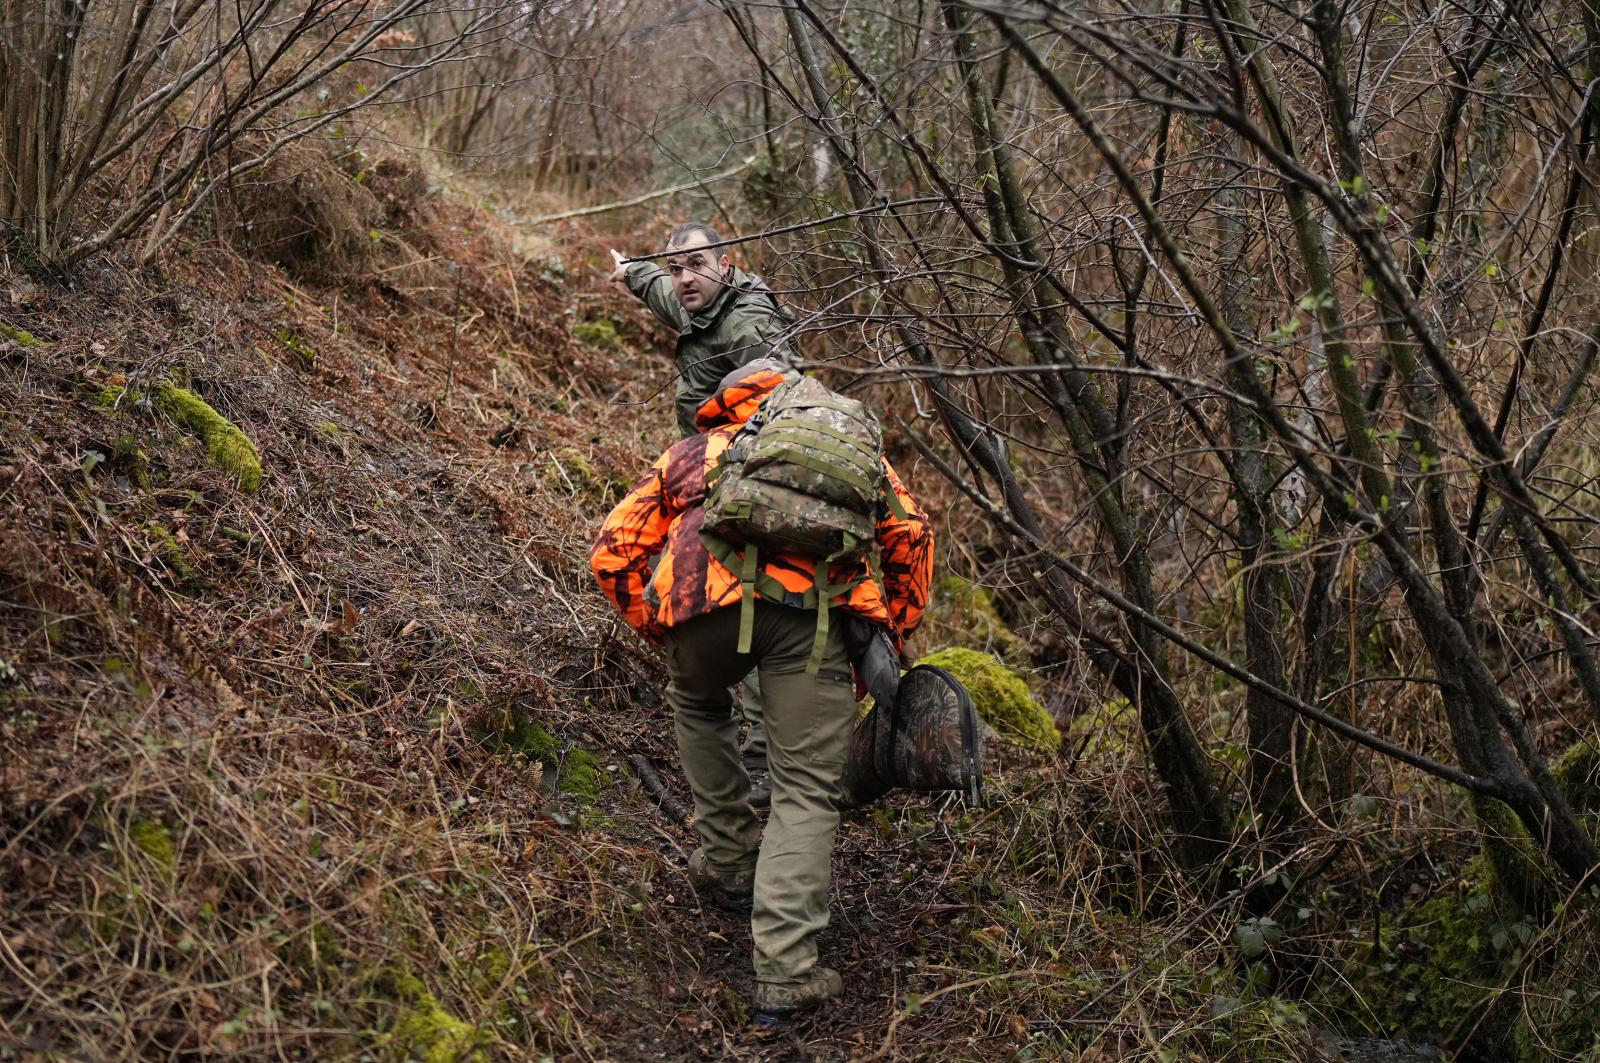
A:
(740, 325)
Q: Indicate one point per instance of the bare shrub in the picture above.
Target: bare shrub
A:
(1248, 329)
(301, 211)
(150, 103)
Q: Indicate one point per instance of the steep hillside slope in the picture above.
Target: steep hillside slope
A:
(315, 735)
(308, 757)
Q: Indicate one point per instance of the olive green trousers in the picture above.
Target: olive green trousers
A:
(754, 750)
(808, 720)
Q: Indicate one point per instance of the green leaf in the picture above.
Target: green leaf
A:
(1254, 936)
(1363, 805)
(1222, 1007)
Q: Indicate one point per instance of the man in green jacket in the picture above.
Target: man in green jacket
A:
(725, 318)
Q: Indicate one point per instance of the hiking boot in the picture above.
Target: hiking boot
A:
(735, 892)
(760, 787)
(775, 1002)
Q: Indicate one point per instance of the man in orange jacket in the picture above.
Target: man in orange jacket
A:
(782, 874)
(725, 319)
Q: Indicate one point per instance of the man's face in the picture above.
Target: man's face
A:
(697, 274)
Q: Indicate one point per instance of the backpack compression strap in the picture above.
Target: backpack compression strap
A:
(893, 500)
(747, 599)
(825, 593)
(753, 580)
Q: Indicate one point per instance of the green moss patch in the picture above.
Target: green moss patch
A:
(297, 346)
(110, 396)
(963, 613)
(1454, 971)
(971, 607)
(1111, 729)
(1515, 872)
(170, 552)
(130, 459)
(1434, 972)
(1440, 973)
(428, 1032)
(599, 333)
(1001, 697)
(1577, 772)
(568, 768)
(154, 840)
(227, 448)
(1518, 875)
(19, 336)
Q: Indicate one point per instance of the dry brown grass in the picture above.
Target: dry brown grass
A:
(254, 803)
(256, 797)
(253, 800)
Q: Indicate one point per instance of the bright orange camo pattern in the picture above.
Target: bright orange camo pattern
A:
(662, 515)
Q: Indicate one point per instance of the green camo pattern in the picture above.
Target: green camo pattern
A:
(804, 475)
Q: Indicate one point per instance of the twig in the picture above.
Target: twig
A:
(605, 208)
(657, 789)
(455, 332)
(815, 223)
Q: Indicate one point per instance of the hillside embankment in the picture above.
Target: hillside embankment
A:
(315, 735)
(315, 730)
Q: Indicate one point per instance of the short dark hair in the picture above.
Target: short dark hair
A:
(693, 228)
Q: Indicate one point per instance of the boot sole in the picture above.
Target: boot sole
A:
(771, 1020)
(717, 899)
(777, 1020)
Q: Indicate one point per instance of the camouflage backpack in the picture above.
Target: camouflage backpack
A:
(804, 475)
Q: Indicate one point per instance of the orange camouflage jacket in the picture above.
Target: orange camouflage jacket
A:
(662, 514)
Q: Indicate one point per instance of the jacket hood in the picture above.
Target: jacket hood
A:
(740, 394)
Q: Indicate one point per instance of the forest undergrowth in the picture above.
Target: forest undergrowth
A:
(314, 736)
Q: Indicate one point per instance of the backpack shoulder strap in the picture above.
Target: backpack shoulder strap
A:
(892, 500)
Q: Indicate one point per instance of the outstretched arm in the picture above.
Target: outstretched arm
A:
(650, 282)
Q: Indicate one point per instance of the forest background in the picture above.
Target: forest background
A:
(1241, 351)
